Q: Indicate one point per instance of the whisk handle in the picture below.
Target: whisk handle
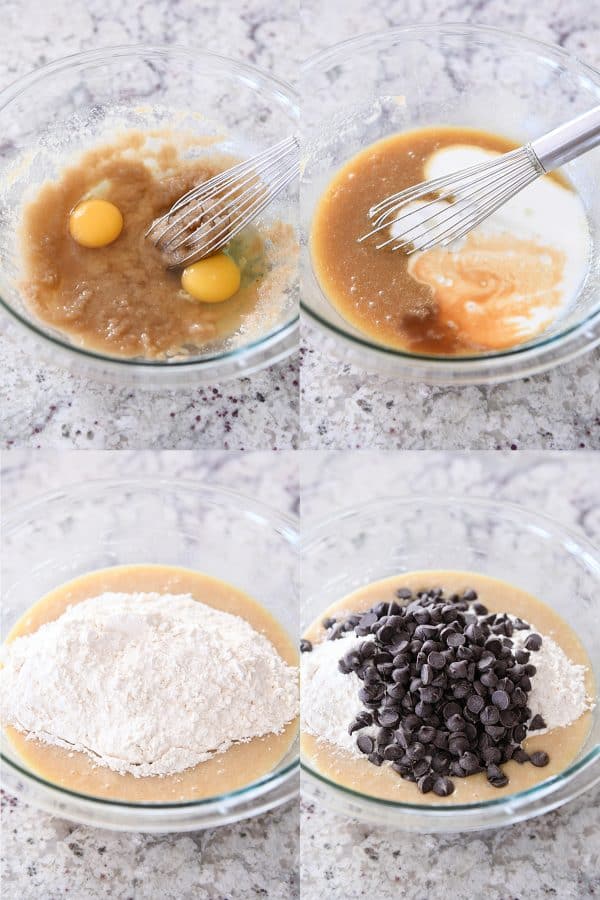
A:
(569, 140)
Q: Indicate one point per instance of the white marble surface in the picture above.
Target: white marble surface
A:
(555, 855)
(47, 406)
(345, 407)
(50, 858)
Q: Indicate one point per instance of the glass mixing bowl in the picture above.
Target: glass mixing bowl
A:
(106, 523)
(377, 84)
(502, 540)
(62, 109)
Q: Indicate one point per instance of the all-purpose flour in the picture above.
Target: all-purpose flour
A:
(330, 699)
(149, 684)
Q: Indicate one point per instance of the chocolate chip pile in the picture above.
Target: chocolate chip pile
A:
(444, 686)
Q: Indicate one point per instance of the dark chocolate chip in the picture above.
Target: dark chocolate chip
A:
(385, 634)
(490, 715)
(421, 768)
(389, 718)
(455, 639)
(469, 762)
(533, 642)
(496, 776)
(349, 663)
(455, 723)
(367, 649)
(509, 717)
(411, 722)
(443, 786)
(501, 699)
(436, 660)
(489, 679)
(537, 723)
(486, 661)
(416, 751)
(539, 758)
(475, 703)
(365, 743)
(458, 669)
(495, 731)
(362, 720)
(461, 690)
(426, 734)
(520, 755)
(305, 646)
(475, 634)
(427, 674)
(491, 755)
(425, 784)
(451, 709)
(392, 752)
(396, 691)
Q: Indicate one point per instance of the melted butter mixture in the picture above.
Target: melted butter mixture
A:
(504, 284)
(120, 299)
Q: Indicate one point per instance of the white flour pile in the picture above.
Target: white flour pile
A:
(330, 698)
(149, 684)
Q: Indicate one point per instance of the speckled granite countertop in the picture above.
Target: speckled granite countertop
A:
(556, 855)
(50, 858)
(50, 407)
(344, 407)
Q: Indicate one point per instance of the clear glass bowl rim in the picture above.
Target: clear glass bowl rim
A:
(461, 365)
(284, 91)
(286, 525)
(546, 788)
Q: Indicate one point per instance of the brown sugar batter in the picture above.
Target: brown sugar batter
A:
(121, 299)
(562, 744)
(242, 764)
(436, 302)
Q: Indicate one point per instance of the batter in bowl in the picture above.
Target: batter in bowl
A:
(503, 285)
(103, 284)
(242, 763)
(520, 749)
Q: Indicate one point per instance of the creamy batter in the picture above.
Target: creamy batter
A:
(562, 744)
(224, 772)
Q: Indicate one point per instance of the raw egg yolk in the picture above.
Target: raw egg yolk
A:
(95, 223)
(212, 280)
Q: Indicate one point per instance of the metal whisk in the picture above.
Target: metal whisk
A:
(437, 212)
(207, 217)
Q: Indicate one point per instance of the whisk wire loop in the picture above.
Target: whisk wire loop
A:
(204, 219)
(446, 208)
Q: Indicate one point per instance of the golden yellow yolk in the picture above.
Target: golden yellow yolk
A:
(212, 280)
(95, 223)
